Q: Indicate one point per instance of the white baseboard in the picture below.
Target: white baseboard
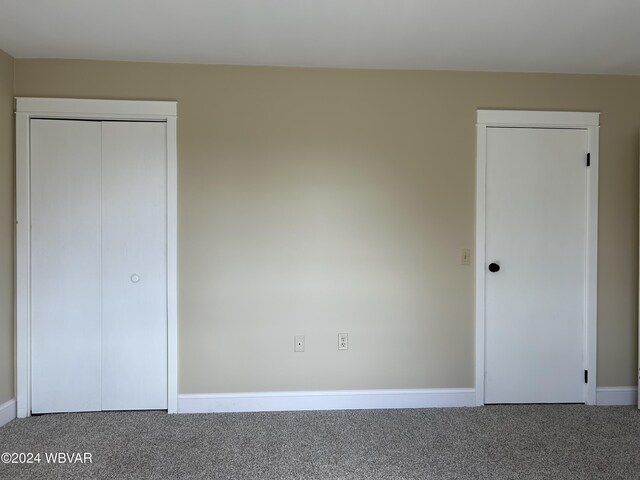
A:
(342, 400)
(7, 412)
(617, 396)
(326, 400)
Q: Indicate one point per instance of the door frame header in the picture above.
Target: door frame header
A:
(87, 109)
(589, 121)
(92, 108)
(535, 118)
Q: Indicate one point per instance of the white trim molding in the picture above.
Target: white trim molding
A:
(617, 396)
(7, 412)
(325, 400)
(537, 118)
(71, 108)
(590, 122)
(93, 108)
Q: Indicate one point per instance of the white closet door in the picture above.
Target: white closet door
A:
(134, 304)
(65, 266)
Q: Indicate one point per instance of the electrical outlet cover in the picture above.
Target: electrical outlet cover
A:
(343, 341)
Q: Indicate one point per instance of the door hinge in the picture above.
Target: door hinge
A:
(586, 376)
(588, 159)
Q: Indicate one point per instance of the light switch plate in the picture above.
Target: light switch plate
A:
(465, 256)
(298, 343)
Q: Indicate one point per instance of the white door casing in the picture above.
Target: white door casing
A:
(516, 314)
(76, 109)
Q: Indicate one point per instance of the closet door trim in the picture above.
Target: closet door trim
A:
(28, 108)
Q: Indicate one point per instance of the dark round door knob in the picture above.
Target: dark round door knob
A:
(494, 267)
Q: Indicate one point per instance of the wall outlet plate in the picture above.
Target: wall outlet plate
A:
(343, 341)
(298, 343)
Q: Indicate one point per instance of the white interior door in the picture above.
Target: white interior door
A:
(65, 266)
(536, 230)
(98, 265)
(134, 249)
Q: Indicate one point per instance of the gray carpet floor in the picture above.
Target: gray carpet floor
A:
(493, 442)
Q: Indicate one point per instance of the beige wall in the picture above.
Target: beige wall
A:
(317, 201)
(7, 222)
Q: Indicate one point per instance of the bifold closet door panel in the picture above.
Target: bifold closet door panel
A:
(134, 286)
(65, 266)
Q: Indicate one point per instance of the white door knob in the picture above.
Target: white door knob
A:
(135, 278)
